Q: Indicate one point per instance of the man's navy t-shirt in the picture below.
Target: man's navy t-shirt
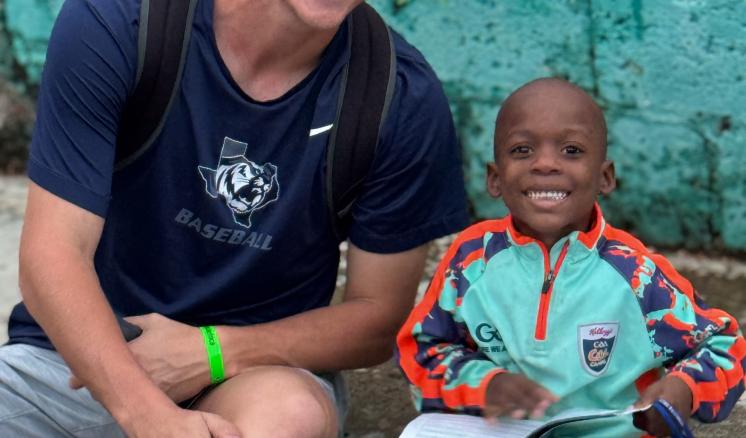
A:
(224, 219)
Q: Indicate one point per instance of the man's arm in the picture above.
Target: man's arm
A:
(60, 288)
(356, 333)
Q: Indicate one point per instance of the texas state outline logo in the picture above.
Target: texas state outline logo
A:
(242, 184)
(596, 344)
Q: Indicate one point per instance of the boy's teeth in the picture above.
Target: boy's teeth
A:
(553, 195)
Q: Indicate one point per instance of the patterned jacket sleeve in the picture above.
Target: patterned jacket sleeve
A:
(702, 346)
(434, 348)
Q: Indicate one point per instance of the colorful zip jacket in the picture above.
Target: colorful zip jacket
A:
(595, 320)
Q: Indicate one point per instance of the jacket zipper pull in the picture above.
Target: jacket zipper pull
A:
(547, 282)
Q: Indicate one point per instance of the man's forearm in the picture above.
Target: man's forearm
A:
(358, 332)
(352, 334)
(63, 294)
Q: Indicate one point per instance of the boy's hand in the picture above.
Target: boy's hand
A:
(674, 391)
(516, 396)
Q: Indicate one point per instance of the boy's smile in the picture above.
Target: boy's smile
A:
(550, 159)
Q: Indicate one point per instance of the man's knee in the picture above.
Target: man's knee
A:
(274, 401)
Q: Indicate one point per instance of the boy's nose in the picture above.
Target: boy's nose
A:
(545, 161)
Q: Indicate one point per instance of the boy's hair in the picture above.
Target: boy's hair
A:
(549, 81)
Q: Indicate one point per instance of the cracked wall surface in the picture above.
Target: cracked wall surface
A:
(668, 73)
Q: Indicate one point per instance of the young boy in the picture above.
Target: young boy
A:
(551, 308)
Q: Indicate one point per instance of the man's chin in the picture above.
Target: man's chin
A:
(322, 19)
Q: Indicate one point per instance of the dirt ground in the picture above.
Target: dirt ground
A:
(381, 406)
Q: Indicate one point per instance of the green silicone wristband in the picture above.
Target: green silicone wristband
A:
(214, 355)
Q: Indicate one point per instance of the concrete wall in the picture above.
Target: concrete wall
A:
(669, 74)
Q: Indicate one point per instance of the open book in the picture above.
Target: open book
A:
(467, 426)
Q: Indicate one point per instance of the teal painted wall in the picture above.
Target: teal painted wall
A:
(27, 24)
(668, 73)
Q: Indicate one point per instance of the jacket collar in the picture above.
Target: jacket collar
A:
(581, 243)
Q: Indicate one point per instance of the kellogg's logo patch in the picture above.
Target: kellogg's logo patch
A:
(596, 343)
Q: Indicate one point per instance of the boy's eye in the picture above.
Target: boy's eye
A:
(520, 150)
(572, 150)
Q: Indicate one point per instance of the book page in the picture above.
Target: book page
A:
(573, 415)
(468, 426)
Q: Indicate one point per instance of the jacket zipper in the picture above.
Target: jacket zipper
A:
(540, 333)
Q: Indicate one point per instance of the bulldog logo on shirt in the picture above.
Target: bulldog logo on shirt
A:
(243, 185)
(596, 344)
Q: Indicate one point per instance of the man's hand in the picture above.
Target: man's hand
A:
(516, 396)
(181, 423)
(173, 354)
(674, 391)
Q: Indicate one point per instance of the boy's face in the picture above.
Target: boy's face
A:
(550, 159)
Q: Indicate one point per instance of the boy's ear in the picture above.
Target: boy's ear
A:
(493, 182)
(608, 178)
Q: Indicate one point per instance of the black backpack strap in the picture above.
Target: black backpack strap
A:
(367, 87)
(163, 40)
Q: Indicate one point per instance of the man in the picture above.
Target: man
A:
(221, 222)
